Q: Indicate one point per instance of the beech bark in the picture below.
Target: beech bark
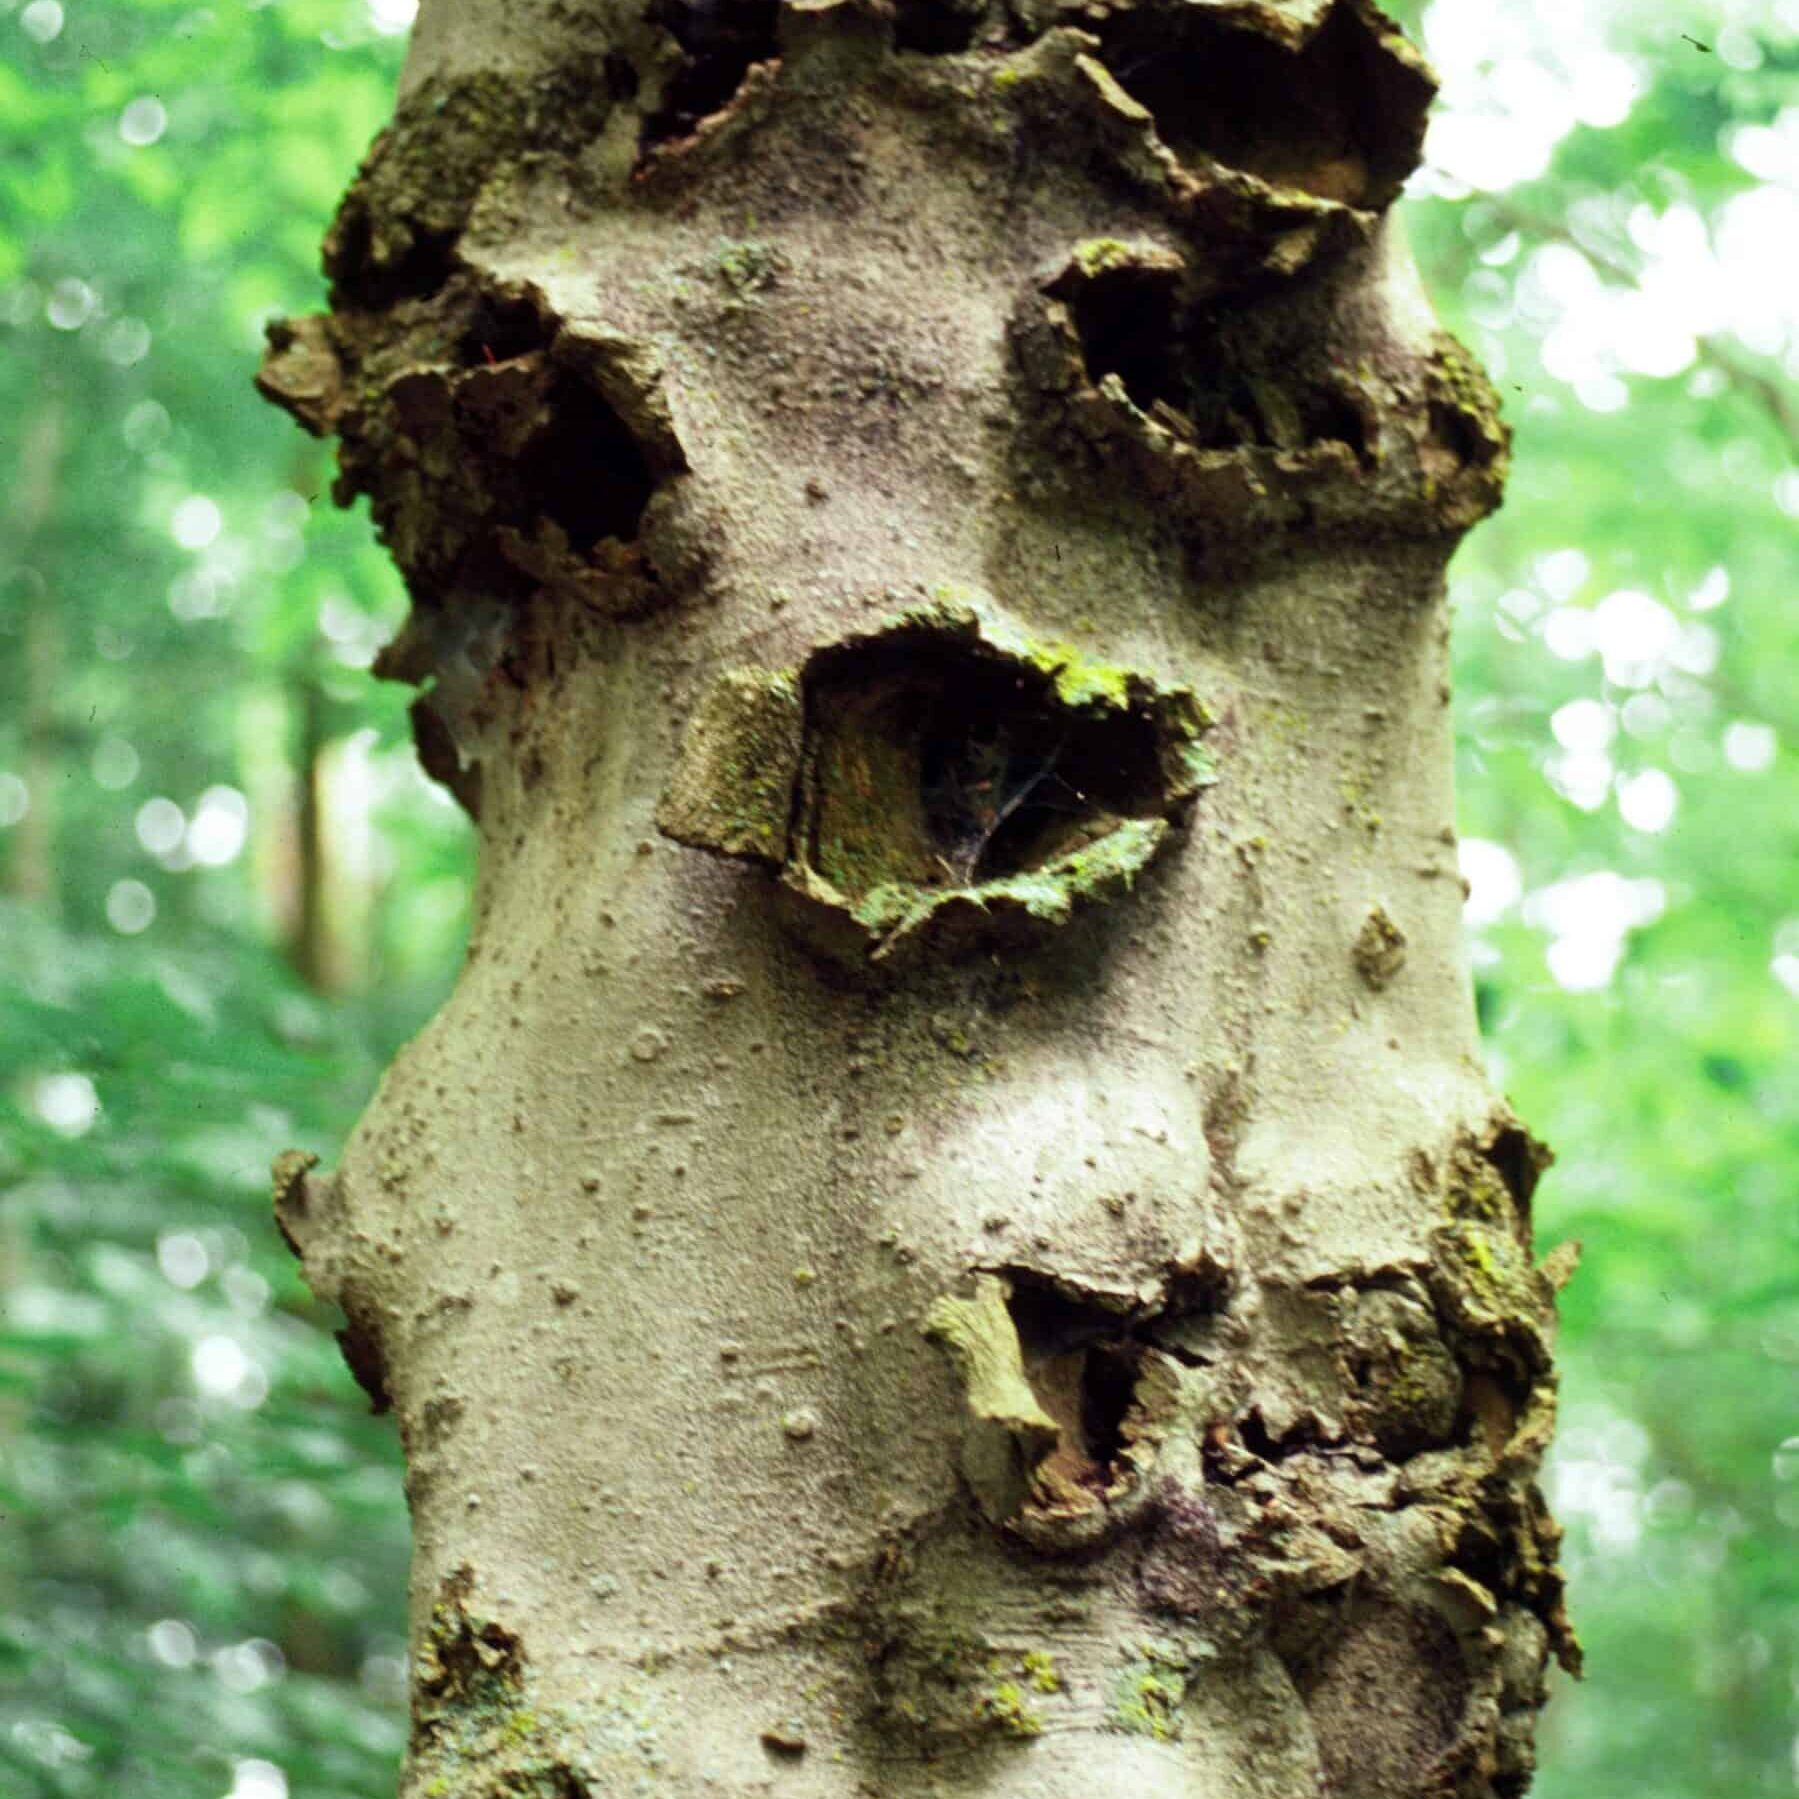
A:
(952, 1238)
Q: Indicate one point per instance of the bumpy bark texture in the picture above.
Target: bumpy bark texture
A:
(952, 1238)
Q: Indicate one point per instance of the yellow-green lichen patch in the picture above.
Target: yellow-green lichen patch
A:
(477, 1735)
(746, 266)
(1082, 680)
(1498, 1313)
(942, 1682)
(1483, 1281)
(472, 1734)
(1003, 1705)
(928, 1675)
(1094, 256)
(1491, 1176)
(1460, 383)
(1148, 1690)
(1049, 895)
(732, 789)
(467, 1660)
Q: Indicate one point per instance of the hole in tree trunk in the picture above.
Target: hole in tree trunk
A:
(621, 76)
(1108, 1388)
(1216, 379)
(583, 468)
(941, 767)
(1126, 318)
(936, 785)
(1519, 1160)
(1339, 118)
(501, 328)
(720, 39)
(937, 27)
(1083, 1367)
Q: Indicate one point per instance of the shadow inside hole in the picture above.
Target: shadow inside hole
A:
(1329, 119)
(1451, 427)
(1127, 322)
(1219, 383)
(720, 40)
(500, 329)
(934, 766)
(361, 281)
(1518, 1160)
(1083, 1368)
(583, 468)
(937, 27)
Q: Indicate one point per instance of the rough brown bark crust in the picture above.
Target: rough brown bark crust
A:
(952, 1238)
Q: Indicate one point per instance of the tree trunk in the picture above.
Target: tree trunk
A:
(31, 872)
(952, 1238)
(309, 944)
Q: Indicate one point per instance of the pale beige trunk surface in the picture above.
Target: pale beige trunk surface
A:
(952, 1238)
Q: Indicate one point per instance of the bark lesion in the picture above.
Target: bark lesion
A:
(1332, 106)
(940, 770)
(511, 458)
(1072, 1386)
(1365, 1504)
(718, 42)
(397, 232)
(478, 1732)
(1244, 421)
(1406, 1591)
(938, 785)
(488, 434)
(1148, 337)
(1106, 1388)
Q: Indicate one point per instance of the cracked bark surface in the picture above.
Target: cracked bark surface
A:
(952, 1238)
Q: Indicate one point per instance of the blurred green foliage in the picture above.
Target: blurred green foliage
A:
(202, 1564)
(1627, 668)
(203, 1545)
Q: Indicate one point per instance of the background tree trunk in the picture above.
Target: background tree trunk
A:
(309, 945)
(31, 870)
(952, 1238)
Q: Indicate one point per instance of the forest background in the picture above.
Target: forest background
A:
(227, 893)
